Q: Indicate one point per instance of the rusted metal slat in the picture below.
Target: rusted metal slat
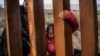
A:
(89, 29)
(13, 28)
(63, 38)
(36, 27)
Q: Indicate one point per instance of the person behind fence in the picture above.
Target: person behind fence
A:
(24, 30)
(69, 17)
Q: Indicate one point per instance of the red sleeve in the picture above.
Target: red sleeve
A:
(50, 46)
(72, 20)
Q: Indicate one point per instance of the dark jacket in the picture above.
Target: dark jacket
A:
(25, 35)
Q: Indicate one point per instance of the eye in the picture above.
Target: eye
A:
(25, 3)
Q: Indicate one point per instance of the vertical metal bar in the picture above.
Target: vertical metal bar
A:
(31, 27)
(63, 38)
(89, 29)
(13, 28)
(37, 27)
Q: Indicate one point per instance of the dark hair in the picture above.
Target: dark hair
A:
(24, 0)
(48, 27)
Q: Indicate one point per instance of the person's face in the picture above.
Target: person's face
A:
(51, 32)
(25, 5)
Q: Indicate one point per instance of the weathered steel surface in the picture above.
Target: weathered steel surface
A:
(13, 28)
(36, 27)
(63, 38)
(89, 29)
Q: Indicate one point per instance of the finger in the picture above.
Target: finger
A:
(66, 12)
(61, 15)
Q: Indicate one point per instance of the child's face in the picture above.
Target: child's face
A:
(51, 32)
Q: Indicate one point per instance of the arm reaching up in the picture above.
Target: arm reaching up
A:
(70, 18)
